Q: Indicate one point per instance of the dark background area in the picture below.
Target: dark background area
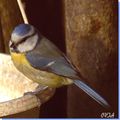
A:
(46, 16)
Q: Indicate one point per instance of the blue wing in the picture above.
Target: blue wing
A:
(46, 56)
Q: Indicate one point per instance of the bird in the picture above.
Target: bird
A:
(42, 61)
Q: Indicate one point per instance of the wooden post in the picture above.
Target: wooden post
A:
(91, 39)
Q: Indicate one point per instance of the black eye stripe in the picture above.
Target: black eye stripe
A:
(24, 39)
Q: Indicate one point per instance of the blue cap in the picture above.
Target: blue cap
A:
(22, 29)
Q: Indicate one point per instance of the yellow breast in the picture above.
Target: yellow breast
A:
(19, 59)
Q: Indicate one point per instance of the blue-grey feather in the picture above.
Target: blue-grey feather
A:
(22, 29)
(92, 93)
(60, 65)
(37, 61)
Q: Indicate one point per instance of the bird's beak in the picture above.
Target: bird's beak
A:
(12, 47)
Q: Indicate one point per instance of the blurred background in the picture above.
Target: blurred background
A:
(87, 31)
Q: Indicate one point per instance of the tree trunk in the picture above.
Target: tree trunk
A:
(91, 29)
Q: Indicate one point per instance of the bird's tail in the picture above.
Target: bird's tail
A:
(92, 93)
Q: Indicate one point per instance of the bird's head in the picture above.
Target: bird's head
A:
(24, 38)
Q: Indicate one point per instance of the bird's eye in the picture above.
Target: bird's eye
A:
(13, 46)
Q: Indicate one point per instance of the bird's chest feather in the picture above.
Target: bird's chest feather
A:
(19, 60)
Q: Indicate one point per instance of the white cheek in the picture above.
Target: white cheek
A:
(29, 44)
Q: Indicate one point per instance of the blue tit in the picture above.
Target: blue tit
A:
(41, 61)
